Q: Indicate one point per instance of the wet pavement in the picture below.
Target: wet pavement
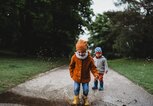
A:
(55, 88)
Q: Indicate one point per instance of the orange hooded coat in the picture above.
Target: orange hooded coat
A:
(80, 69)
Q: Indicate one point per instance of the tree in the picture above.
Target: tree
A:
(140, 23)
(42, 26)
(101, 33)
(130, 31)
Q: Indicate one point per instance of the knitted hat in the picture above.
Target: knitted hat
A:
(81, 45)
(98, 49)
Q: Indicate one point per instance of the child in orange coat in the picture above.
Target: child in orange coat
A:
(80, 66)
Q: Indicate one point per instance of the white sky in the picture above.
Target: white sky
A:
(100, 6)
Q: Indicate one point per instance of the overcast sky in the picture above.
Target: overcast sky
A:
(100, 6)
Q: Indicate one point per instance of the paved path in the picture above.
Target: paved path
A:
(55, 88)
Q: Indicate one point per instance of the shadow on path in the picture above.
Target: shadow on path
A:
(12, 98)
(9, 97)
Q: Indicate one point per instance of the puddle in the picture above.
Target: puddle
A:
(11, 98)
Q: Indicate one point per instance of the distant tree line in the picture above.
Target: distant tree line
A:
(127, 33)
(42, 27)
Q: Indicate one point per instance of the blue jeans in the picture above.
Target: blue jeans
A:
(85, 87)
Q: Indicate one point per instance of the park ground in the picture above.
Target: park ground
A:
(55, 88)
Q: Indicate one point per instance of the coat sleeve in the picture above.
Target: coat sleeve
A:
(72, 66)
(106, 65)
(93, 68)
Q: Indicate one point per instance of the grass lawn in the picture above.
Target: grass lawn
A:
(139, 71)
(17, 70)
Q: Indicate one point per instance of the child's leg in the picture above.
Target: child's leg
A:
(101, 81)
(85, 87)
(76, 92)
(95, 84)
(76, 88)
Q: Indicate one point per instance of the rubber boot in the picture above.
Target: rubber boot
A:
(86, 102)
(95, 85)
(101, 86)
(76, 100)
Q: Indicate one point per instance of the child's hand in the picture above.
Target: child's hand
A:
(96, 78)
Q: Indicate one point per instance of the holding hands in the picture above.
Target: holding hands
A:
(96, 77)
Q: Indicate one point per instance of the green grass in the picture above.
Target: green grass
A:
(138, 71)
(14, 71)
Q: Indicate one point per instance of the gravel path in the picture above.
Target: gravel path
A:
(55, 88)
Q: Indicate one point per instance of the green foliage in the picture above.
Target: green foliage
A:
(129, 32)
(48, 26)
(101, 33)
(135, 36)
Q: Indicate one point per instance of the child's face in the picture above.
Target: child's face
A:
(81, 53)
(98, 54)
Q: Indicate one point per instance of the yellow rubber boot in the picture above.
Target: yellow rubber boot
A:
(76, 100)
(86, 102)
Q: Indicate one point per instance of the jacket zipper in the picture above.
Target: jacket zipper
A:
(81, 71)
